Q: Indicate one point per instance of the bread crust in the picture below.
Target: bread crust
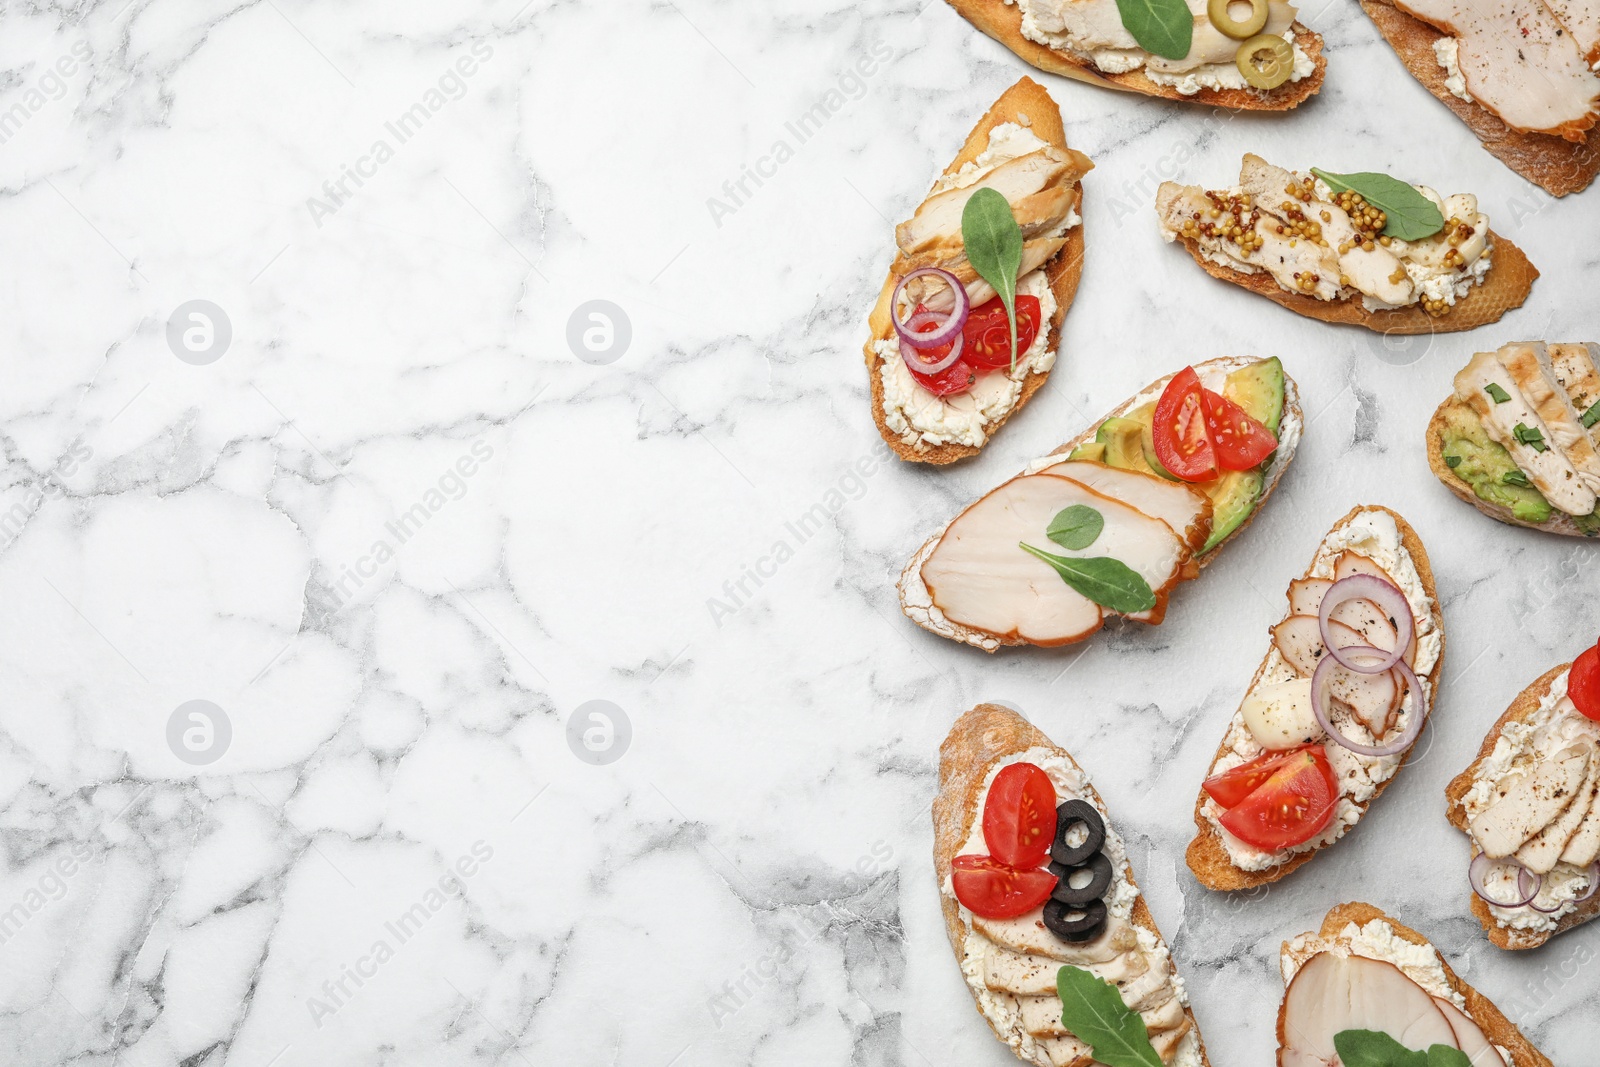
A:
(1495, 1026)
(982, 735)
(1291, 410)
(1521, 709)
(1505, 287)
(1063, 270)
(1558, 166)
(1206, 855)
(1557, 523)
(1003, 22)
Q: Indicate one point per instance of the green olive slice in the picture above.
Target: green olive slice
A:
(1217, 12)
(1266, 61)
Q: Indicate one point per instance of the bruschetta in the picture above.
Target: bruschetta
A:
(1332, 712)
(1518, 438)
(1053, 936)
(1367, 989)
(943, 372)
(1315, 244)
(1530, 807)
(1264, 61)
(1521, 76)
(1103, 525)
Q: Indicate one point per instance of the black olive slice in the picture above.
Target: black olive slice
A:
(1077, 813)
(1099, 869)
(1075, 922)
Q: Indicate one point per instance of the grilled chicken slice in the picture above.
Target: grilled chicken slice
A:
(1549, 469)
(1028, 936)
(1518, 61)
(1181, 506)
(1470, 1037)
(1373, 698)
(1545, 848)
(1041, 1016)
(1287, 262)
(1331, 993)
(1531, 803)
(1582, 20)
(1584, 846)
(1026, 975)
(1529, 365)
(1066, 1052)
(1369, 268)
(938, 220)
(1577, 372)
(979, 576)
(936, 295)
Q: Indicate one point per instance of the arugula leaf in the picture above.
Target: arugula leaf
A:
(1412, 216)
(1591, 416)
(1515, 478)
(993, 243)
(1093, 1011)
(1445, 1056)
(1165, 27)
(1534, 439)
(1373, 1048)
(1497, 394)
(1108, 582)
(1076, 527)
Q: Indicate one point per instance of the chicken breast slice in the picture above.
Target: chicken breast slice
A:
(1528, 362)
(1519, 61)
(1028, 936)
(1066, 1051)
(1545, 848)
(1286, 259)
(938, 219)
(1035, 254)
(1185, 509)
(1027, 975)
(1549, 469)
(1584, 846)
(979, 575)
(1041, 1016)
(1577, 372)
(1582, 20)
(1470, 1037)
(1531, 803)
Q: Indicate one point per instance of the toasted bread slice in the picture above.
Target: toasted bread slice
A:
(1558, 522)
(1028, 104)
(1558, 166)
(1521, 709)
(980, 737)
(1289, 431)
(1482, 1011)
(1207, 856)
(1506, 286)
(1003, 22)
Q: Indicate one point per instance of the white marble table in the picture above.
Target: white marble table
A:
(396, 535)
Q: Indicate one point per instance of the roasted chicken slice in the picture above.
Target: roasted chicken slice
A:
(1185, 509)
(1027, 975)
(1542, 851)
(1576, 371)
(938, 220)
(1530, 367)
(1331, 993)
(1287, 259)
(1531, 802)
(1470, 1037)
(1028, 935)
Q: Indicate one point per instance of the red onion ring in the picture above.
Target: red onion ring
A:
(1594, 883)
(952, 324)
(917, 363)
(1481, 864)
(1391, 600)
(1319, 704)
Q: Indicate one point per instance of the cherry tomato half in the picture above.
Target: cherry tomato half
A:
(1290, 807)
(1240, 441)
(1179, 430)
(989, 888)
(1019, 816)
(1230, 787)
(987, 333)
(958, 377)
(1583, 682)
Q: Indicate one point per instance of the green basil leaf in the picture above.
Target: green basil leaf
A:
(1455, 461)
(1373, 1048)
(1529, 436)
(1093, 1011)
(1591, 416)
(993, 243)
(1411, 215)
(1445, 1056)
(1076, 527)
(1108, 582)
(1165, 27)
(1515, 478)
(1497, 394)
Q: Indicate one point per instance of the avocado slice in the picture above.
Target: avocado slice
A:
(1484, 465)
(1258, 388)
(1089, 450)
(1123, 442)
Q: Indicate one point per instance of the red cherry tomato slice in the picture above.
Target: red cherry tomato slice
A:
(1290, 807)
(1230, 787)
(1240, 441)
(993, 890)
(958, 377)
(1583, 682)
(987, 334)
(1019, 816)
(1179, 430)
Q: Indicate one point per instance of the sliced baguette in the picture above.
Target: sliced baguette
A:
(1289, 431)
(1003, 22)
(1028, 104)
(1495, 1026)
(980, 737)
(1521, 709)
(1558, 166)
(1506, 286)
(1207, 856)
(1557, 523)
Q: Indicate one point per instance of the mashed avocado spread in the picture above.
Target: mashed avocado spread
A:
(1488, 468)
